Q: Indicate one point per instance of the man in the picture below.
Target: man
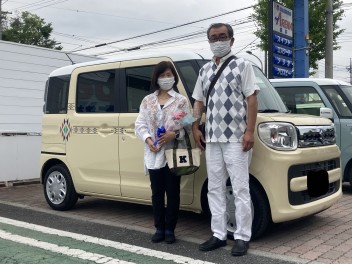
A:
(230, 123)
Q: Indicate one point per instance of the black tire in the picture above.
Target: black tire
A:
(59, 190)
(262, 215)
(260, 207)
(349, 173)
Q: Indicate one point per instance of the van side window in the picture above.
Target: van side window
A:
(56, 95)
(138, 83)
(302, 100)
(189, 73)
(96, 92)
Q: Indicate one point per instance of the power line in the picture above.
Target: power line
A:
(174, 39)
(31, 5)
(59, 2)
(163, 30)
(106, 14)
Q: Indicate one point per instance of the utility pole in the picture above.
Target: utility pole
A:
(0, 21)
(266, 63)
(329, 59)
(350, 70)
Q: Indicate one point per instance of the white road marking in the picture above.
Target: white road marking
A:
(76, 253)
(104, 242)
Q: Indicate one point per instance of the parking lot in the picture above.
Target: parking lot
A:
(322, 238)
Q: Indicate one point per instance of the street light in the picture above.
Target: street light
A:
(261, 63)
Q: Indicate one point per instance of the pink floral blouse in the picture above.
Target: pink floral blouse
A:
(151, 116)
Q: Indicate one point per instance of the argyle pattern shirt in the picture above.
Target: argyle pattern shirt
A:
(227, 105)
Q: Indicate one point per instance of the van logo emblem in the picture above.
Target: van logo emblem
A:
(65, 129)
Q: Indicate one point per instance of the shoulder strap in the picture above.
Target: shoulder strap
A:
(216, 77)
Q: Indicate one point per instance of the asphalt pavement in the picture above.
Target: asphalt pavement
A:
(131, 245)
(323, 238)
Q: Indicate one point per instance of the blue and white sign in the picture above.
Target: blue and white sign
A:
(283, 41)
(282, 20)
(282, 73)
(283, 62)
(282, 53)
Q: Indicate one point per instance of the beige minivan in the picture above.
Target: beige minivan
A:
(89, 147)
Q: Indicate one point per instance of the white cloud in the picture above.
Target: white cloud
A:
(86, 23)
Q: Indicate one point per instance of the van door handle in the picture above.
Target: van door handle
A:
(129, 130)
(105, 130)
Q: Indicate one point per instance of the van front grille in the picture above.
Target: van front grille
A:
(315, 136)
(296, 171)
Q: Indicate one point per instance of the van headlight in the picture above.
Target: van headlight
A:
(279, 136)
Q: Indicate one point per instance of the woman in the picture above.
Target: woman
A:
(155, 109)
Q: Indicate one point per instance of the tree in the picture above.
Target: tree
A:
(29, 29)
(316, 26)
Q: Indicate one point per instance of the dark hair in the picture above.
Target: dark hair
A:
(217, 25)
(160, 68)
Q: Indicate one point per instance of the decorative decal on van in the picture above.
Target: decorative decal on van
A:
(65, 129)
(85, 130)
(71, 106)
(94, 130)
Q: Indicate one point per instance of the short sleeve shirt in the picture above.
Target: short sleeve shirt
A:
(227, 105)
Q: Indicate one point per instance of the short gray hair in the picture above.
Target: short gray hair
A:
(217, 25)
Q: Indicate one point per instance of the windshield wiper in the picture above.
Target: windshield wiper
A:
(268, 111)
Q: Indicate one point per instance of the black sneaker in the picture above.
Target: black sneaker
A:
(240, 248)
(212, 243)
(170, 237)
(158, 236)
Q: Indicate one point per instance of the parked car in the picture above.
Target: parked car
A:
(89, 147)
(323, 97)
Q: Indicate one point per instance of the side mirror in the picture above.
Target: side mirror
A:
(326, 112)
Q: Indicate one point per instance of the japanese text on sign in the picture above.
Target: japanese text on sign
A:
(283, 62)
(283, 41)
(280, 72)
(282, 51)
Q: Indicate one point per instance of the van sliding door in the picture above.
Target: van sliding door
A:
(92, 150)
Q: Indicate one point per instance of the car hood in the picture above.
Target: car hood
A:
(295, 119)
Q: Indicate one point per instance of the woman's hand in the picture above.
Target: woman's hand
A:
(150, 143)
(166, 137)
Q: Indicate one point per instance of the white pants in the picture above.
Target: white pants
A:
(228, 160)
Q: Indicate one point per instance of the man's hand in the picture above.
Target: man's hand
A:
(248, 141)
(198, 109)
(198, 137)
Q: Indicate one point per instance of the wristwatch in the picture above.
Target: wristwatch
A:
(177, 134)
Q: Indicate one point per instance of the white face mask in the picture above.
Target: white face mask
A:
(166, 83)
(220, 48)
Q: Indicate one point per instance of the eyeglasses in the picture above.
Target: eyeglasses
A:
(219, 38)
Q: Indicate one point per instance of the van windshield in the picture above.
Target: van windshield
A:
(269, 100)
(340, 97)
